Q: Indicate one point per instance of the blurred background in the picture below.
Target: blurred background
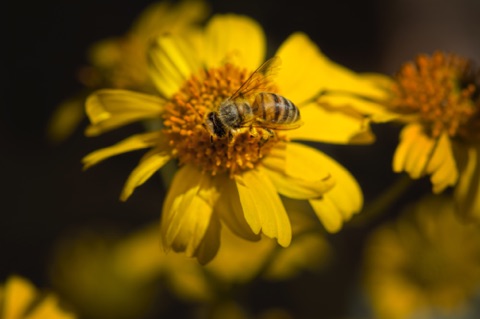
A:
(45, 195)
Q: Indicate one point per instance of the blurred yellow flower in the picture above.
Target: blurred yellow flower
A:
(437, 98)
(121, 62)
(108, 276)
(19, 299)
(426, 261)
(234, 183)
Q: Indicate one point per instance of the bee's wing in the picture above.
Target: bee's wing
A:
(257, 80)
(258, 122)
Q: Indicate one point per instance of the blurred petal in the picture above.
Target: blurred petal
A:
(468, 188)
(262, 207)
(237, 37)
(19, 294)
(148, 165)
(323, 125)
(65, 120)
(342, 201)
(418, 154)
(230, 210)
(171, 63)
(187, 210)
(296, 172)
(309, 251)
(109, 109)
(162, 16)
(441, 165)
(48, 308)
(132, 143)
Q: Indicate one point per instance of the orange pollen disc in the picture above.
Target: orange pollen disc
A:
(191, 143)
(444, 91)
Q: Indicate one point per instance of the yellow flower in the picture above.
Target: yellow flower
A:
(115, 276)
(425, 261)
(437, 98)
(20, 300)
(120, 62)
(222, 182)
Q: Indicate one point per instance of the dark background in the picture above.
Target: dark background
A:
(44, 192)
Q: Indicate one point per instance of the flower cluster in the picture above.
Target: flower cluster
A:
(238, 136)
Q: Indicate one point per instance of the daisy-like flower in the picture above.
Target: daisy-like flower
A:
(120, 62)
(21, 300)
(437, 98)
(425, 264)
(236, 182)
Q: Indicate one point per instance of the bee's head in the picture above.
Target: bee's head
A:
(214, 126)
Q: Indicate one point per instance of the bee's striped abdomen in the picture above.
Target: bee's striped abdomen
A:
(275, 108)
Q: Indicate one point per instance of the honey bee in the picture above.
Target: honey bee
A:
(269, 111)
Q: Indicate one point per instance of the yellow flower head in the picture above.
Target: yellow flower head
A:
(438, 98)
(426, 261)
(442, 92)
(234, 164)
(121, 62)
(20, 300)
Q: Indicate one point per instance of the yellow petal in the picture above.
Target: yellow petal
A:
(442, 166)
(300, 78)
(19, 295)
(468, 188)
(296, 172)
(109, 109)
(210, 243)
(328, 213)
(172, 61)
(342, 201)
(262, 207)
(149, 164)
(347, 103)
(232, 36)
(132, 143)
(326, 126)
(418, 154)
(230, 210)
(188, 210)
(413, 151)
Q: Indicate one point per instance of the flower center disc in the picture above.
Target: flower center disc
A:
(191, 143)
(444, 90)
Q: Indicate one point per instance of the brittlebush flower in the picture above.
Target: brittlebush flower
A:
(437, 98)
(21, 300)
(238, 184)
(426, 262)
(120, 62)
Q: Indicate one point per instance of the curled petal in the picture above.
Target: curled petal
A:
(262, 207)
(149, 164)
(188, 212)
(342, 201)
(109, 109)
(296, 172)
(132, 143)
